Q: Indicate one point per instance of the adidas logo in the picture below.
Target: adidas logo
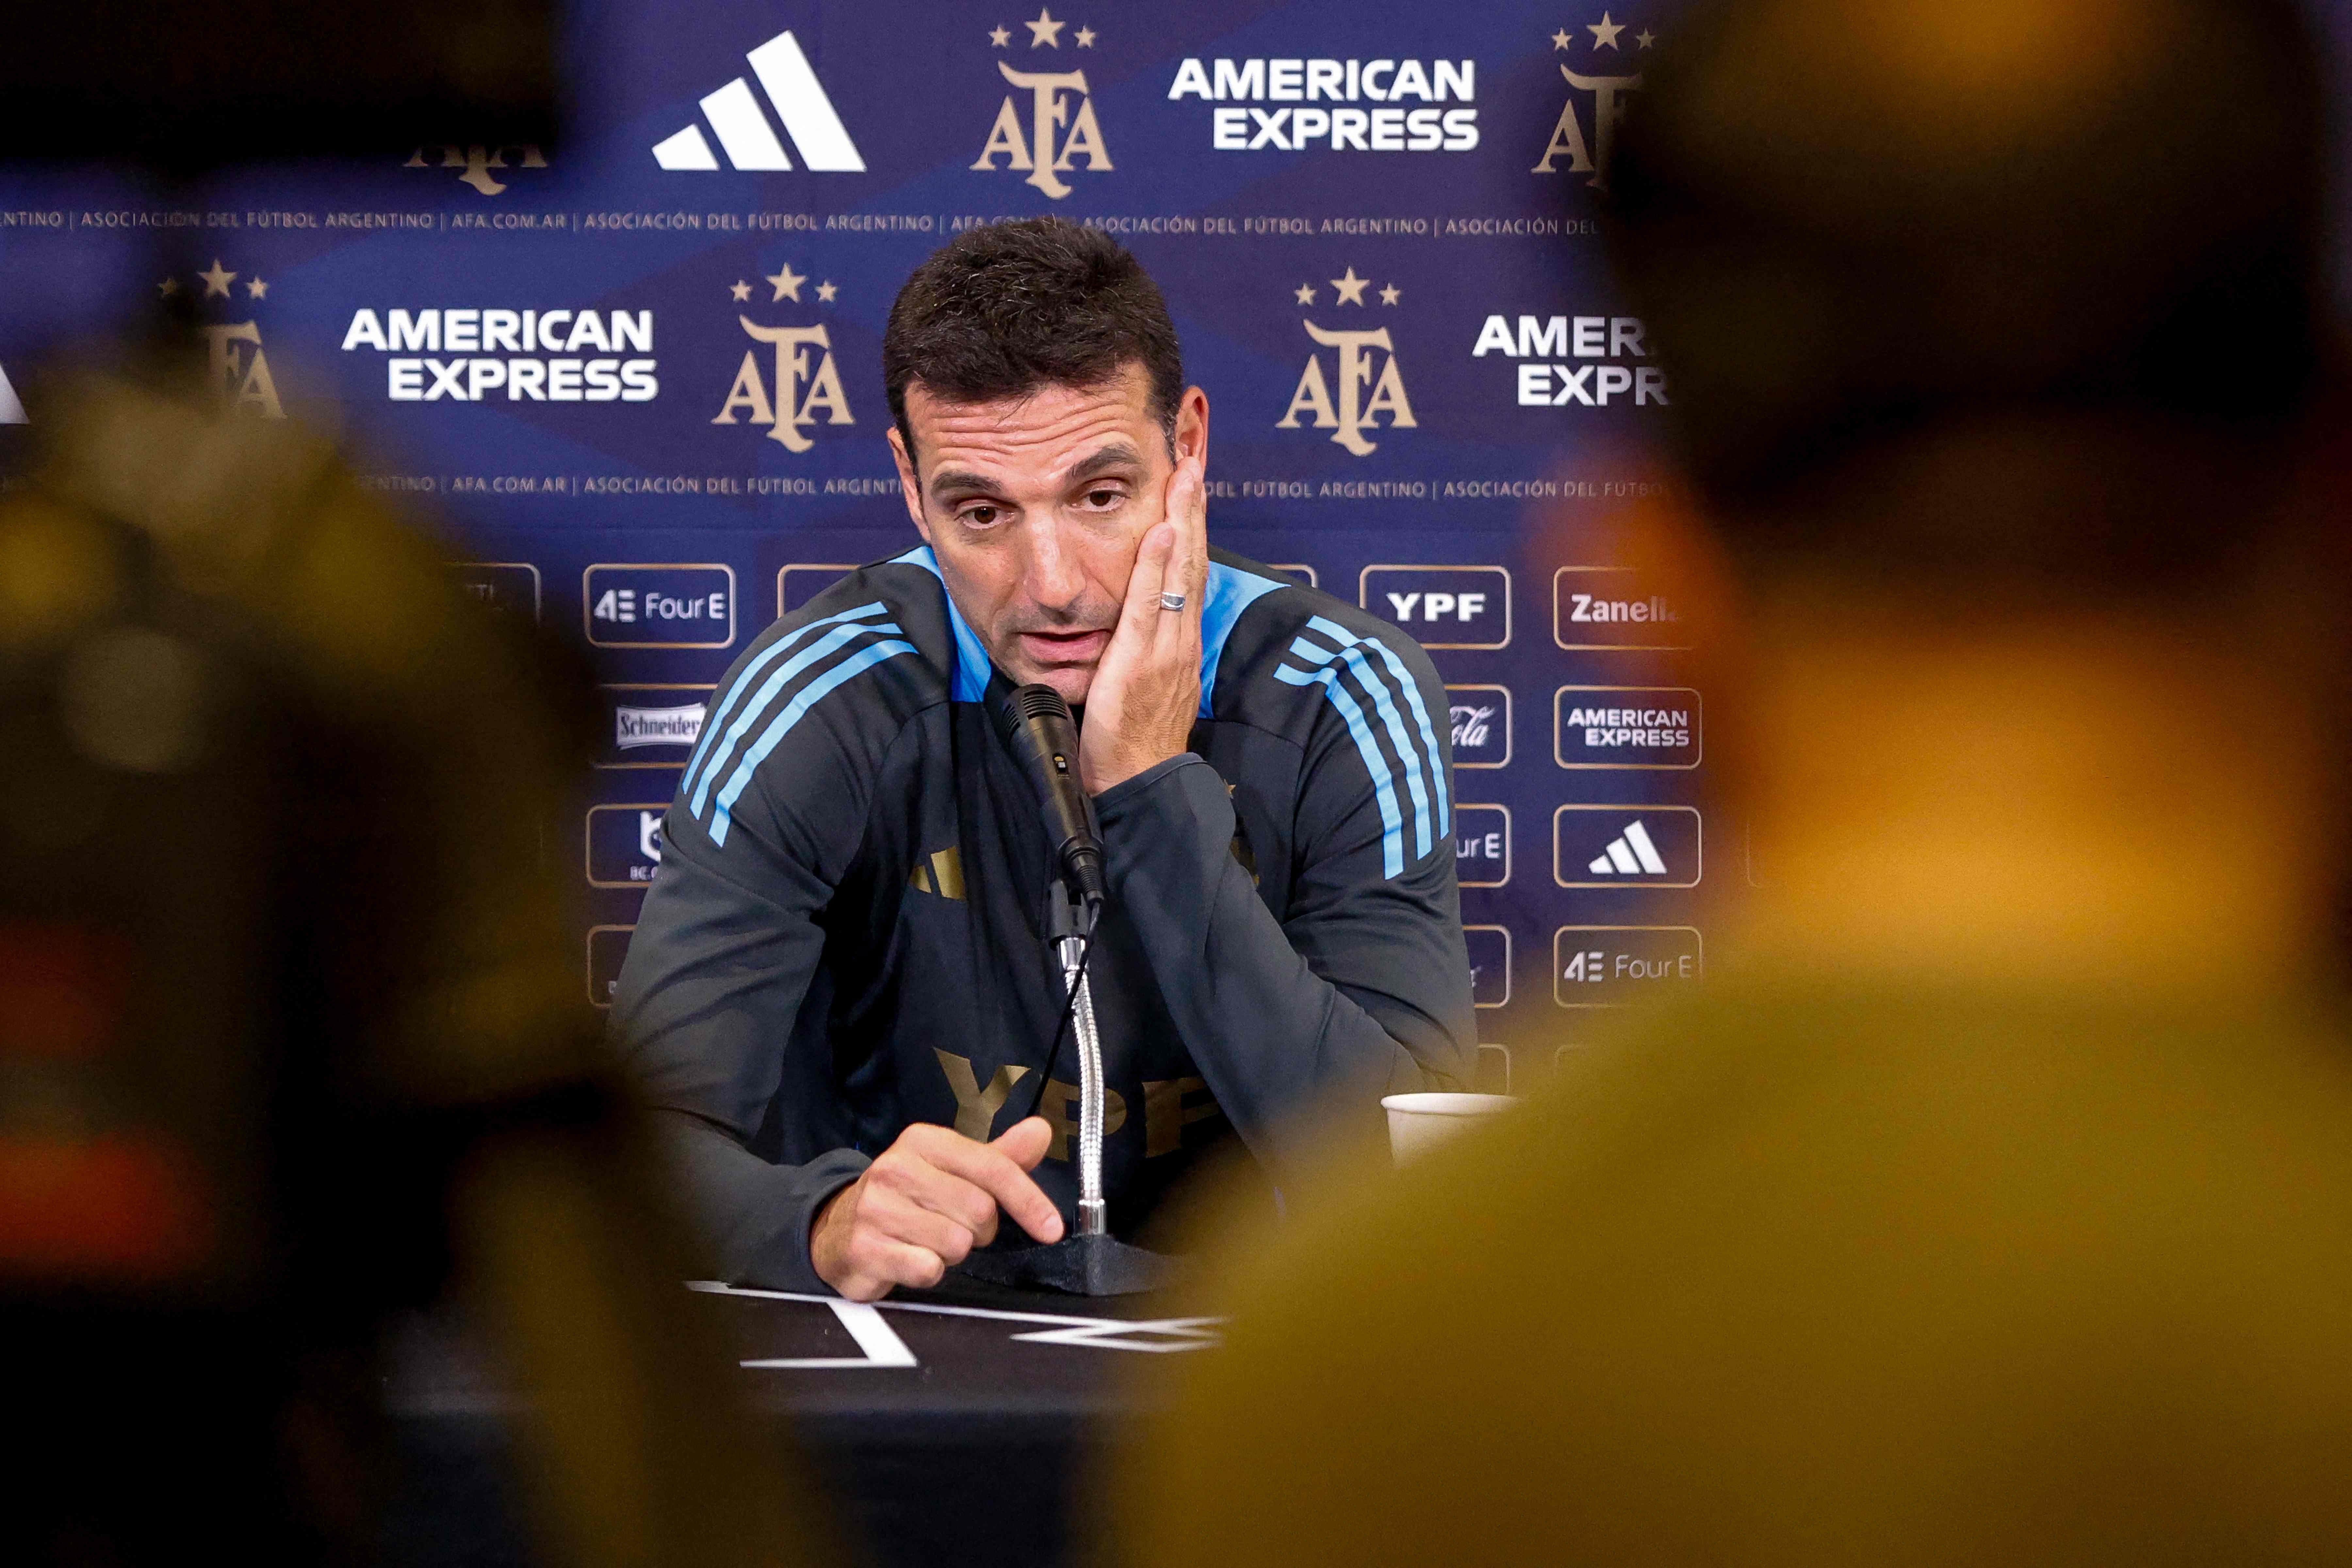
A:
(1630, 854)
(744, 133)
(11, 407)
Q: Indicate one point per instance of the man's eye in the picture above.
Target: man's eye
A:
(980, 515)
(1104, 497)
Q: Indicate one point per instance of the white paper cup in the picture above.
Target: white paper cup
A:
(1420, 1122)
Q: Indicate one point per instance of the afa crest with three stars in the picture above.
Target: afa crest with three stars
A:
(1352, 380)
(801, 381)
(1046, 133)
(238, 365)
(1597, 95)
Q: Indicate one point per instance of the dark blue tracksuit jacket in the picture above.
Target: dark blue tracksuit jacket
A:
(847, 932)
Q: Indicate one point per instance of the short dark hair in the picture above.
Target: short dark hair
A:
(1007, 308)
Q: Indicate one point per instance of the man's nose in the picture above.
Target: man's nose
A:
(1052, 577)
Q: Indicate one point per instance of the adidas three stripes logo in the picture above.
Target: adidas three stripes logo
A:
(743, 131)
(772, 694)
(1380, 703)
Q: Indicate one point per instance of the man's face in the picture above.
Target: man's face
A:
(1035, 507)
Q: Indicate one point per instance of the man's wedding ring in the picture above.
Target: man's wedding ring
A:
(1171, 601)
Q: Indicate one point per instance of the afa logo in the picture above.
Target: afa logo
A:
(802, 381)
(1060, 127)
(237, 363)
(475, 162)
(1349, 389)
(1588, 155)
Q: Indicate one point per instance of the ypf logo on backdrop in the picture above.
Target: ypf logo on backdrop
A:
(1596, 96)
(1591, 361)
(1353, 380)
(531, 353)
(1316, 105)
(1462, 607)
(1046, 123)
(236, 362)
(743, 128)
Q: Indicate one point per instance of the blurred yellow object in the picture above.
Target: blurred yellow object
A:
(1818, 1274)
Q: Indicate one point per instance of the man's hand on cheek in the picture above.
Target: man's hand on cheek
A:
(1147, 689)
(926, 1202)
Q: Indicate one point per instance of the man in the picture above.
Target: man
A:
(839, 989)
(1997, 1206)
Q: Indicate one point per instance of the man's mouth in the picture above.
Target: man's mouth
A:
(1052, 647)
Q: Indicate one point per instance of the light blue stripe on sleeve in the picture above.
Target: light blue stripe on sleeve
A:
(772, 688)
(1411, 690)
(1230, 591)
(849, 668)
(1378, 692)
(774, 651)
(1383, 787)
(970, 683)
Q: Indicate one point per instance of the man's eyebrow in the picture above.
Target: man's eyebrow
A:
(950, 481)
(1118, 455)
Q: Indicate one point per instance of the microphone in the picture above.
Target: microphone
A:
(1036, 724)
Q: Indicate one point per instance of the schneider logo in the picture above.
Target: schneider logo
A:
(1388, 85)
(545, 356)
(634, 727)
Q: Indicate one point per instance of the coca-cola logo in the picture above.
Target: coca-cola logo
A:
(1473, 726)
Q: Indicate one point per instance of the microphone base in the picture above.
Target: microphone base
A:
(1077, 1266)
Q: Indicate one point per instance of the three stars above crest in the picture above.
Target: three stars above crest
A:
(1604, 34)
(787, 284)
(1044, 33)
(1347, 291)
(216, 281)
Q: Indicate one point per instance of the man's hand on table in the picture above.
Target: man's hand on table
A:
(1147, 689)
(926, 1202)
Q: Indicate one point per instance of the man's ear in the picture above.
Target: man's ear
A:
(1191, 433)
(910, 487)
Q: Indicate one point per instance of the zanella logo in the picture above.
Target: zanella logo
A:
(743, 128)
(1363, 380)
(1055, 100)
(475, 162)
(805, 382)
(1589, 155)
(634, 727)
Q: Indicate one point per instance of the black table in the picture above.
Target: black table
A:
(960, 1425)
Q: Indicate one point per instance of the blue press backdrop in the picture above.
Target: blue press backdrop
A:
(636, 377)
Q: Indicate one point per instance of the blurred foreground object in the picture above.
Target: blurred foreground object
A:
(182, 88)
(1993, 1204)
(289, 1032)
